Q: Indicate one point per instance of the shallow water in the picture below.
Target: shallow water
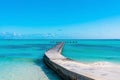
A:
(22, 59)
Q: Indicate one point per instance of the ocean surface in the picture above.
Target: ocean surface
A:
(22, 59)
(90, 51)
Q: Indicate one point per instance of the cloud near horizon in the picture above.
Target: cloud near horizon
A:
(101, 29)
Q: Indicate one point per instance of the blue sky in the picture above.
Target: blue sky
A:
(71, 18)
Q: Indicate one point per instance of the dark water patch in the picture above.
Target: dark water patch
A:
(42, 48)
(16, 54)
(14, 46)
(38, 45)
(24, 46)
(18, 59)
(112, 58)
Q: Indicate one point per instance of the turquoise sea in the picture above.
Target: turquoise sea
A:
(89, 51)
(22, 59)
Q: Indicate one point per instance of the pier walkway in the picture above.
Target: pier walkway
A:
(73, 70)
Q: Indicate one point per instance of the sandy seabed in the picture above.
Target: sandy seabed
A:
(18, 71)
